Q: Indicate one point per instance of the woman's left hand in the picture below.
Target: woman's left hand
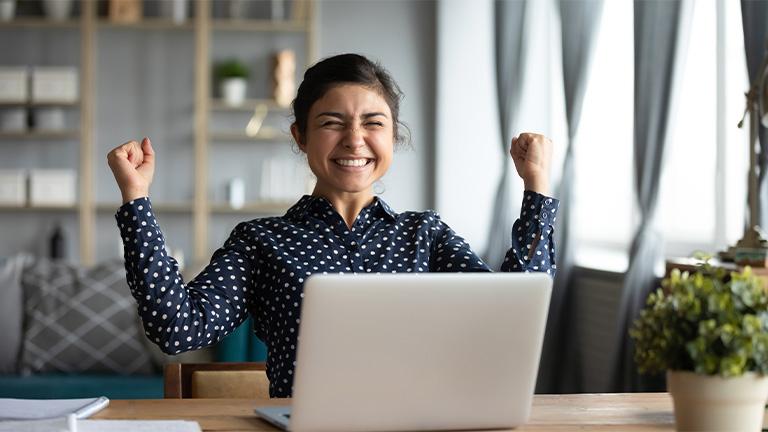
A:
(532, 154)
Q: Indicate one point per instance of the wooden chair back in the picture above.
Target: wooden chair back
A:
(215, 380)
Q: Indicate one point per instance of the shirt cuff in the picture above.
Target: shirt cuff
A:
(542, 208)
(136, 219)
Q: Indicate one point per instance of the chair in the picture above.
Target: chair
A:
(216, 380)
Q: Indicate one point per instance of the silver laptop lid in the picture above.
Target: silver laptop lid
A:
(410, 352)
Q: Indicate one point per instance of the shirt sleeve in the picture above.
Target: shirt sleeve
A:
(533, 244)
(532, 250)
(451, 253)
(179, 316)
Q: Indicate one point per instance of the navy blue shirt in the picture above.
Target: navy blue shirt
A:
(261, 268)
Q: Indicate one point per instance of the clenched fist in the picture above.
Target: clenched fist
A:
(133, 166)
(532, 154)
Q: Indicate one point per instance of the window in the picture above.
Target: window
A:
(706, 155)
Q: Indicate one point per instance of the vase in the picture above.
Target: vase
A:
(57, 10)
(176, 10)
(233, 91)
(713, 403)
(7, 9)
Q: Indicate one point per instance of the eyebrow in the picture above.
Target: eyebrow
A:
(341, 116)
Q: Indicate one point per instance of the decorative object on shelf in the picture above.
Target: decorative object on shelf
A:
(237, 9)
(57, 244)
(48, 119)
(752, 248)
(52, 187)
(58, 84)
(232, 75)
(284, 77)
(13, 84)
(125, 11)
(176, 10)
(13, 120)
(277, 9)
(255, 123)
(709, 331)
(236, 193)
(13, 187)
(299, 10)
(58, 10)
(7, 10)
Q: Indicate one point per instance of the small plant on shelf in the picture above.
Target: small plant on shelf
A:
(232, 75)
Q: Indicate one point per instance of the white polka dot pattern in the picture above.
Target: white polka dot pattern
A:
(262, 267)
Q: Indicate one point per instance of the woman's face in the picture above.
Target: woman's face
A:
(349, 139)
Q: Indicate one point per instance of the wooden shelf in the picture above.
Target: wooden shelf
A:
(148, 24)
(201, 30)
(242, 137)
(40, 135)
(44, 208)
(30, 104)
(259, 25)
(158, 207)
(248, 105)
(257, 207)
(41, 22)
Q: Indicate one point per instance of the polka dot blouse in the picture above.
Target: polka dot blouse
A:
(260, 270)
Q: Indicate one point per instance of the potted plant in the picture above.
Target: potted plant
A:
(709, 331)
(232, 75)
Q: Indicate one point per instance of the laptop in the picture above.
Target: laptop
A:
(435, 351)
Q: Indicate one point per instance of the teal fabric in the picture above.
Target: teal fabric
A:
(242, 346)
(55, 386)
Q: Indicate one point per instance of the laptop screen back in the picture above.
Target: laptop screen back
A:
(409, 352)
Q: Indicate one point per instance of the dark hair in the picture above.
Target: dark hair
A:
(348, 69)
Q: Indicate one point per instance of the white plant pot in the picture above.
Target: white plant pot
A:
(58, 10)
(7, 9)
(714, 403)
(233, 91)
(176, 10)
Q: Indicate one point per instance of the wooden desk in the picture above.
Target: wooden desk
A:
(593, 412)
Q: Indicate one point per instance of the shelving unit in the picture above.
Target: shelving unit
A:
(194, 209)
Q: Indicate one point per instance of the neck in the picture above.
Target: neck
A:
(347, 204)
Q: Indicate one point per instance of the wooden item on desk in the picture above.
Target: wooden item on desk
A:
(125, 11)
(690, 265)
(284, 77)
(216, 380)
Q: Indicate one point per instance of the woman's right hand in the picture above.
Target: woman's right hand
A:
(133, 166)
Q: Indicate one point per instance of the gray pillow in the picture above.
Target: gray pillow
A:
(10, 311)
(81, 320)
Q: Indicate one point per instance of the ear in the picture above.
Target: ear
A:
(298, 138)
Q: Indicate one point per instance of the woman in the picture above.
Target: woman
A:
(346, 122)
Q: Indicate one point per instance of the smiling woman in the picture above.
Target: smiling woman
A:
(347, 123)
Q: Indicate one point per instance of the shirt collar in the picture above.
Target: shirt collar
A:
(309, 202)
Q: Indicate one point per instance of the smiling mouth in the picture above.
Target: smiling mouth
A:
(354, 163)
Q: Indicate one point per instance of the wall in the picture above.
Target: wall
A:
(401, 35)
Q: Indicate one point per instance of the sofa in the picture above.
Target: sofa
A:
(71, 331)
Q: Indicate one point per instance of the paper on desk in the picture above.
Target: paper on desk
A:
(137, 426)
(31, 409)
(62, 425)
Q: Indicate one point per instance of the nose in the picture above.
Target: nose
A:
(355, 138)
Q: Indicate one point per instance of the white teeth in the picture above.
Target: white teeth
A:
(352, 162)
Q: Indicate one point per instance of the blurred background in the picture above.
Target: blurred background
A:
(641, 99)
